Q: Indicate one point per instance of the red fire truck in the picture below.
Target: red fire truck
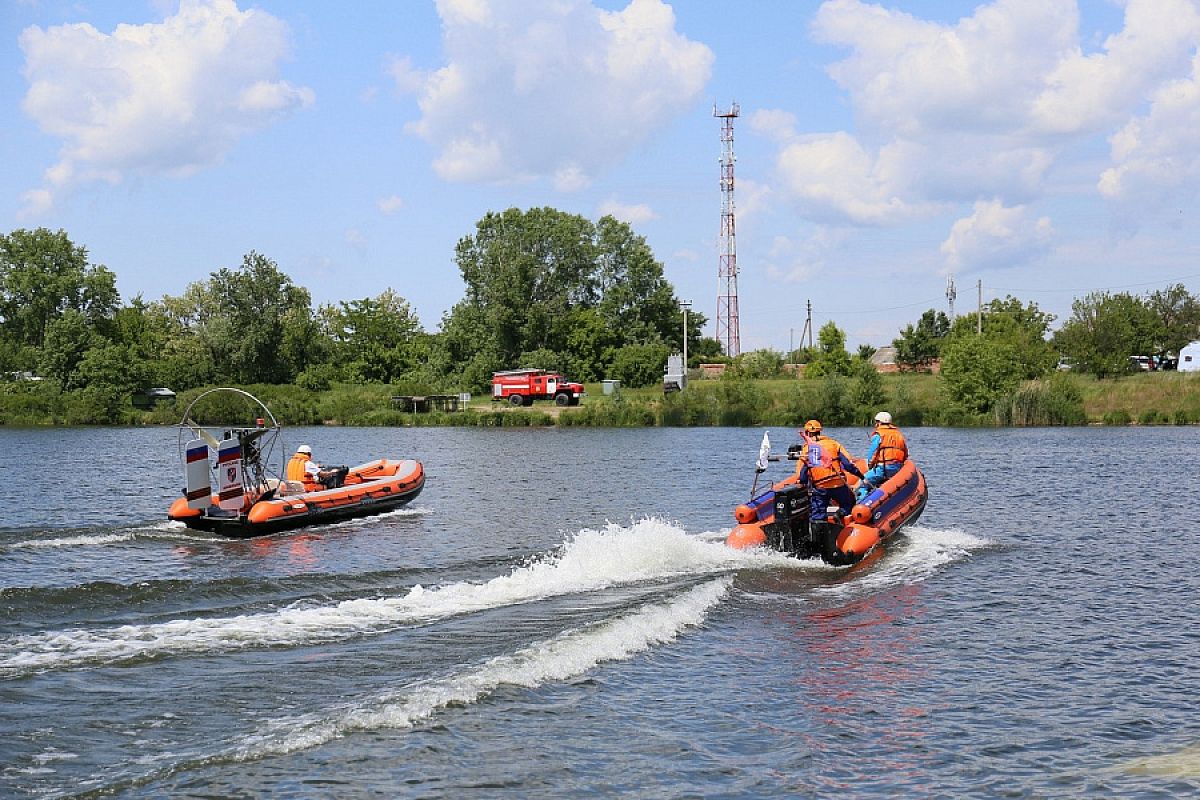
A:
(522, 386)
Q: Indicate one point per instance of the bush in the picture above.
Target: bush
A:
(1152, 417)
(1184, 417)
(1118, 417)
(1056, 401)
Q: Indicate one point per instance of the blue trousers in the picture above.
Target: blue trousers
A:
(821, 499)
(876, 475)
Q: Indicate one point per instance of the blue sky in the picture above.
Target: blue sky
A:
(1042, 148)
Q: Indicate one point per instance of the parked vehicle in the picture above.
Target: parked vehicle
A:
(523, 386)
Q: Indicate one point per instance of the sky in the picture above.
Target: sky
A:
(1038, 148)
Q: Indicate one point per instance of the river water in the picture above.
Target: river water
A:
(556, 616)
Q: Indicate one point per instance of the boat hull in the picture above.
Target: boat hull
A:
(778, 518)
(371, 488)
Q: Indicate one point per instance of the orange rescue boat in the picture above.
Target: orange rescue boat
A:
(238, 494)
(779, 518)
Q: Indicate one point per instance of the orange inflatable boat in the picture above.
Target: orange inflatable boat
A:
(233, 490)
(370, 488)
(779, 518)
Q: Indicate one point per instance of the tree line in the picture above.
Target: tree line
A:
(543, 289)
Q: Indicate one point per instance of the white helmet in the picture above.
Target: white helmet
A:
(884, 418)
(304, 449)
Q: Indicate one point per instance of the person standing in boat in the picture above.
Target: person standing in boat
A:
(823, 469)
(302, 468)
(886, 455)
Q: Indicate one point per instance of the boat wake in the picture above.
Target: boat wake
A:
(912, 557)
(567, 655)
(591, 560)
(560, 658)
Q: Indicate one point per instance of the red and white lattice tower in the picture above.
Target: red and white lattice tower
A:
(727, 300)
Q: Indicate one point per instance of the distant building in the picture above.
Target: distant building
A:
(884, 359)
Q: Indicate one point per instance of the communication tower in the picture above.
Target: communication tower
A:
(727, 300)
(951, 294)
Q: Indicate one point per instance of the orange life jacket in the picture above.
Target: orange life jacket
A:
(296, 469)
(892, 447)
(824, 466)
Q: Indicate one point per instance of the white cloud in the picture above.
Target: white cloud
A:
(554, 89)
(633, 214)
(166, 98)
(1158, 154)
(995, 236)
(986, 107)
(1088, 92)
(833, 178)
(796, 261)
(390, 204)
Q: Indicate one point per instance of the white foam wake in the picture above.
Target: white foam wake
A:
(565, 656)
(593, 559)
(925, 552)
(85, 540)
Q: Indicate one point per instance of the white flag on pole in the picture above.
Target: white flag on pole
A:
(764, 452)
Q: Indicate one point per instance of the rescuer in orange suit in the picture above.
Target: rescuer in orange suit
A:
(823, 467)
(886, 455)
(302, 468)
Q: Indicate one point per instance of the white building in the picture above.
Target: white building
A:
(1189, 358)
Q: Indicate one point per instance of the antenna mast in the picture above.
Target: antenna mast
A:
(727, 300)
(951, 293)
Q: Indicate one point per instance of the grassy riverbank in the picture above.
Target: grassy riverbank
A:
(1164, 398)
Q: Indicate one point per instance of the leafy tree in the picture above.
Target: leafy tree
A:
(1179, 314)
(256, 324)
(920, 345)
(639, 364)
(68, 339)
(979, 368)
(830, 357)
(545, 281)
(374, 337)
(42, 276)
(704, 350)
(757, 364)
(866, 389)
(1105, 329)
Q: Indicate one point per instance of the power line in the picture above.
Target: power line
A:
(1161, 282)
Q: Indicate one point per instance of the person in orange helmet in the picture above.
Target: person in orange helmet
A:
(823, 467)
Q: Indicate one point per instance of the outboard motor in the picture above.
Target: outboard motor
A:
(789, 532)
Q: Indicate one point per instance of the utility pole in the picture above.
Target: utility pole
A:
(685, 305)
(979, 313)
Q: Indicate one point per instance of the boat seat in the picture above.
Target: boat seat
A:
(290, 487)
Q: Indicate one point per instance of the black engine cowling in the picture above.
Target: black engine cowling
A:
(789, 532)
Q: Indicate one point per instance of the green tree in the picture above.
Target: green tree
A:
(830, 357)
(257, 326)
(42, 276)
(1105, 329)
(920, 345)
(1179, 314)
(375, 338)
(979, 368)
(639, 364)
(865, 391)
(545, 281)
(68, 339)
